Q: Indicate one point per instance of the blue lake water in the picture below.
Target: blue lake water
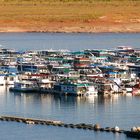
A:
(26, 41)
(117, 110)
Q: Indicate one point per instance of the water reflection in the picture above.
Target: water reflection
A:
(108, 111)
(3, 90)
(48, 100)
(31, 98)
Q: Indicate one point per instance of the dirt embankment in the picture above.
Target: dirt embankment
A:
(74, 28)
(97, 16)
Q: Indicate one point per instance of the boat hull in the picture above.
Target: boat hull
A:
(23, 89)
(132, 134)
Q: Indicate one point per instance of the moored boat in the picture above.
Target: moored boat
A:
(25, 86)
(132, 134)
(78, 89)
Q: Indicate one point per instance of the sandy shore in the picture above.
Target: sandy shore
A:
(74, 28)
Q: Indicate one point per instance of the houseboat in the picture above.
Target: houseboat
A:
(78, 89)
(108, 86)
(8, 78)
(25, 86)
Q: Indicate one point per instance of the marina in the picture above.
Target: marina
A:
(119, 108)
(79, 73)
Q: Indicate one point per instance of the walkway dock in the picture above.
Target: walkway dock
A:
(92, 127)
(95, 127)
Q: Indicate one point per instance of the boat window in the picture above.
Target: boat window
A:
(27, 85)
(11, 78)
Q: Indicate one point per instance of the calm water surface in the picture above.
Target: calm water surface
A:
(118, 110)
(25, 41)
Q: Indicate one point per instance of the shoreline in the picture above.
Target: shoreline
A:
(67, 31)
(67, 27)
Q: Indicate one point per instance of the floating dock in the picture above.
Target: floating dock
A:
(94, 127)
